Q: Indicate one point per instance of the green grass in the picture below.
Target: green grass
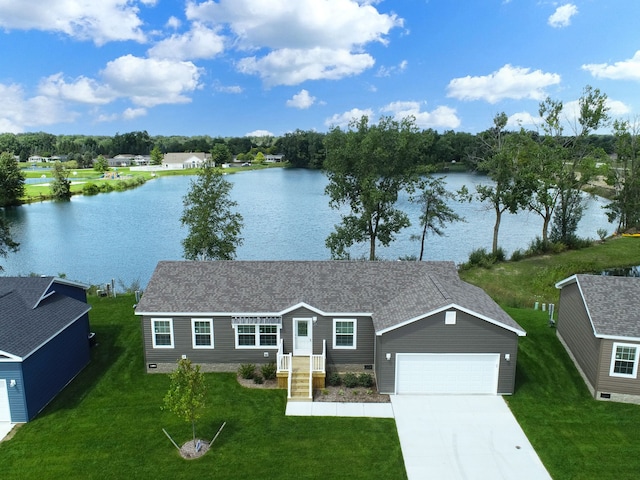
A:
(108, 424)
(575, 436)
(522, 283)
(39, 193)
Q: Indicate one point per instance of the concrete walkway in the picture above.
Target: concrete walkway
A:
(448, 437)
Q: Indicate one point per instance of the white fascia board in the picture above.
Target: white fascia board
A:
(254, 314)
(567, 281)
(520, 333)
(10, 357)
(618, 338)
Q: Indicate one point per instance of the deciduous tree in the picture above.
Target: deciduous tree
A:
(214, 228)
(6, 242)
(435, 212)
(186, 394)
(367, 166)
(156, 156)
(61, 185)
(11, 180)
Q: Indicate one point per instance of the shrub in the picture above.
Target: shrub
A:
(350, 380)
(269, 370)
(90, 189)
(365, 380)
(334, 379)
(517, 255)
(602, 233)
(258, 379)
(247, 370)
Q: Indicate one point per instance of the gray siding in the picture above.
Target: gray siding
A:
(17, 401)
(225, 353)
(431, 335)
(576, 331)
(609, 384)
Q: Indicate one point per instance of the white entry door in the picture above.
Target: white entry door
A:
(5, 413)
(302, 337)
(420, 373)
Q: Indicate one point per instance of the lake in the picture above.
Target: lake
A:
(122, 235)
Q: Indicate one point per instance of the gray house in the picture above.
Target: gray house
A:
(414, 325)
(599, 325)
(44, 342)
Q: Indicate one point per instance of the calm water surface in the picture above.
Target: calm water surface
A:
(122, 235)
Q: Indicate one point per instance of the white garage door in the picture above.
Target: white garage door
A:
(444, 373)
(5, 414)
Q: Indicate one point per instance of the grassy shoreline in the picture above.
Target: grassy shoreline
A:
(42, 192)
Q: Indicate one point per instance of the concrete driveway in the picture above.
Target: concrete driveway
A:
(463, 437)
(5, 428)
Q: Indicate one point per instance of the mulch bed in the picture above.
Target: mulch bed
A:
(329, 394)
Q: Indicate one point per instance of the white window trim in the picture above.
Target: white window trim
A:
(355, 333)
(153, 332)
(256, 345)
(613, 360)
(193, 332)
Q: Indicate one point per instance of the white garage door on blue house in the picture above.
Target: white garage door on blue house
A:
(443, 373)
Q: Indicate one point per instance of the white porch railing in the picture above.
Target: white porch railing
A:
(318, 362)
(285, 364)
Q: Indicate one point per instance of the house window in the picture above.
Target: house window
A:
(344, 333)
(257, 336)
(162, 332)
(624, 360)
(202, 332)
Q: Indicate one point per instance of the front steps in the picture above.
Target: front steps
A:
(300, 380)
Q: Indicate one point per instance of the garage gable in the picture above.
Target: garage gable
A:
(453, 309)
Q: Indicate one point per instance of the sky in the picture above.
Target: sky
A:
(269, 67)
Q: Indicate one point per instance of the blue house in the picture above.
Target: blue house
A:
(44, 342)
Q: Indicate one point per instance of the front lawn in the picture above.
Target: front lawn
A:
(108, 424)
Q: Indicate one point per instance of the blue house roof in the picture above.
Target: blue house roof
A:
(32, 312)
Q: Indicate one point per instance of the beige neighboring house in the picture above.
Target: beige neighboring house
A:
(179, 160)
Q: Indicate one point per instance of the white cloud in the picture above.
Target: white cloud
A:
(235, 89)
(145, 82)
(131, 113)
(19, 112)
(301, 100)
(149, 82)
(81, 90)
(522, 119)
(259, 133)
(562, 16)
(508, 82)
(443, 117)
(388, 71)
(199, 42)
(302, 40)
(623, 70)
(100, 21)
(173, 22)
(342, 120)
(291, 67)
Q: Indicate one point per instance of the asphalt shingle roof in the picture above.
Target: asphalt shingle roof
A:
(613, 304)
(29, 317)
(392, 292)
